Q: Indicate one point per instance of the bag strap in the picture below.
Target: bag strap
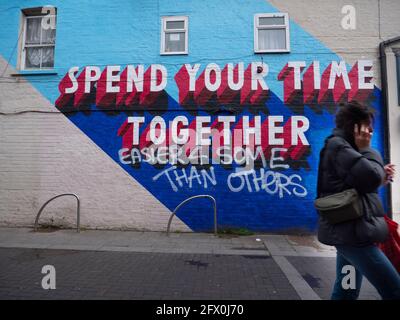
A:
(321, 155)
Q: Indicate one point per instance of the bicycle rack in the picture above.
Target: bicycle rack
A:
(191, 198)
(61, 195)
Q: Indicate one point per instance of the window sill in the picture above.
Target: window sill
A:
(173, 53)
(34, 73)
(272, 51)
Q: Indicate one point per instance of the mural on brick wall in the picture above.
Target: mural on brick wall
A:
(220, 119)
(229, 135)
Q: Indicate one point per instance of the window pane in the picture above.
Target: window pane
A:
(33, 26)
(175, 25)
(175, 42)
(48, 35)
(48, 57)
(271, 39)
(267, 21)
(32, 58)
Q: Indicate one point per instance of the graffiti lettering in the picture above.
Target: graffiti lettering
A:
(173, 155)
(176, 155)
(270, 181)
(179, 177)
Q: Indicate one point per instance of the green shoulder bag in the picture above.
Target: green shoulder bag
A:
(340, 207)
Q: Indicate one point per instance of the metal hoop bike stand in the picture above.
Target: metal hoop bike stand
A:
(189, 199)
(61, 195)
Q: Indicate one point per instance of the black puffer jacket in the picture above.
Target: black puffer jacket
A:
(343, 167)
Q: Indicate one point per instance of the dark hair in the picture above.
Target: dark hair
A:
(351, 114)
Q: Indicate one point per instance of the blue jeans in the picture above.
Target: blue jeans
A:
(367, 261)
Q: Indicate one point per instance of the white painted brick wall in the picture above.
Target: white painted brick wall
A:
(42, 155)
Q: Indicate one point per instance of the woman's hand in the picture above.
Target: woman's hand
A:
(390, 171)
(362, 136)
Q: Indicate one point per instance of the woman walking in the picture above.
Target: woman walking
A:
(347, 161)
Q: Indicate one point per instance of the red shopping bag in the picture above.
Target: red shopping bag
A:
(391, 247)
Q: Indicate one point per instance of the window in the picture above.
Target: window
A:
(271, 32)
(38, 38)
(174, 35)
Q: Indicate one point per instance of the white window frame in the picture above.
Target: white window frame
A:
(258, 27)
(24, 46)
(164, 30)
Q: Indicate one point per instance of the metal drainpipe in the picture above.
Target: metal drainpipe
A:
(385, 102)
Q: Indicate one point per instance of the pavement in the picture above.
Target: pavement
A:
(100, 264)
